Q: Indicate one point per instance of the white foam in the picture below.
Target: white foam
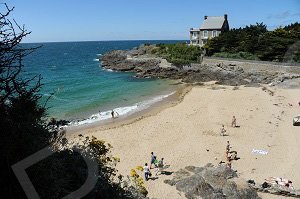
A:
(121, 111)
(47, 94)
(95, 59)
(108, 70)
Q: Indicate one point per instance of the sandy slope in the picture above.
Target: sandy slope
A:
(182, 134)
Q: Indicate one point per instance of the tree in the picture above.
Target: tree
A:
(24, 131)
(255, 41)
(22, 118)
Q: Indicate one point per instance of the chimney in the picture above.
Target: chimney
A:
(205, 17)
(225, 17)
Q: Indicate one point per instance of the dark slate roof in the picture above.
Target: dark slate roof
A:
(213, 23)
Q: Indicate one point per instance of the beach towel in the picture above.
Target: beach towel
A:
(258, 151)
(296, 121)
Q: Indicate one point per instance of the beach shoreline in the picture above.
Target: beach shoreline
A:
(185, 128)
(171, 100)
(187, 133)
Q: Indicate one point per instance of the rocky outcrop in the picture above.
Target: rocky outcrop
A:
(145, 65)
(211, 182)
(275, 189)
(118, 60)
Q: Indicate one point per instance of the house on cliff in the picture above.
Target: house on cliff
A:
(211, 27)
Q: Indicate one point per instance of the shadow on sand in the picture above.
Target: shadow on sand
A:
(167, 173)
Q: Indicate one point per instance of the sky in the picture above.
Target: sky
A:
(99, 20)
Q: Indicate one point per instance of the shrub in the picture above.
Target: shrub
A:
(178, 54)
(239, 55)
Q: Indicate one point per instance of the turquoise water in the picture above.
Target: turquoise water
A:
(80, 87)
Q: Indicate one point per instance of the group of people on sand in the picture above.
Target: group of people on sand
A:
(229, 155)
(158, 166)
(233, 124)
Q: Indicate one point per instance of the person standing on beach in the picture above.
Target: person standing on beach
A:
(223, 130)
(228, 146)
(233, 123)
(146, 172)
(114, 114)
(152, 159)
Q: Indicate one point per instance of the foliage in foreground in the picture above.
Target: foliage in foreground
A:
(137, 181)
(281, 44)
(24, 131)
(178, 54)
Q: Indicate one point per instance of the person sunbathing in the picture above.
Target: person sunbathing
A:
(280, 181)
(231, 155)
(234, 155)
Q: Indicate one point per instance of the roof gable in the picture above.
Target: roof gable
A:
(213, 23)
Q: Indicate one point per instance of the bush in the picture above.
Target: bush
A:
(178, 54)
(239, 55)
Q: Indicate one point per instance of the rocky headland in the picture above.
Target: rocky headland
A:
(146, 65)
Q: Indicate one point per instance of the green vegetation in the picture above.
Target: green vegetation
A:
(24, 132)
(239, 55)
(256, 42)
(178, 54)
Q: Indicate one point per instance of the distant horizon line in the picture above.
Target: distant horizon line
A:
(105, 40)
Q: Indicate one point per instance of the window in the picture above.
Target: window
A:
(214, 33)
(205, 34)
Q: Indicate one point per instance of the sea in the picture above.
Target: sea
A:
(77, 88)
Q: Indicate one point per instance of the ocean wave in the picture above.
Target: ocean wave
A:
(108, 70)
(95, 59)
(121, 111)
(53, 67)
(59, 99)
(47, 94)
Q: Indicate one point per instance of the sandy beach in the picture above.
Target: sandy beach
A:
(188, 133)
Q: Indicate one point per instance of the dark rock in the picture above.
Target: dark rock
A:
(194, 169)
(210, 182)
(139, 61)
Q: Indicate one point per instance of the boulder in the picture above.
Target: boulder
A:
(211, 182)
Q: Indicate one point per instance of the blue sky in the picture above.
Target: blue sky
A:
(95, 20)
